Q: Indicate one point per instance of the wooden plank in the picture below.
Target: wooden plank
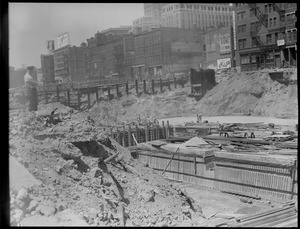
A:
(137, 87)
(46, 97)
(57, 94)
(129, 135)
(275, 159)
(123, 139)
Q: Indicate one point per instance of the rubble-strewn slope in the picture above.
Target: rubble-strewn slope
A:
(78, 187)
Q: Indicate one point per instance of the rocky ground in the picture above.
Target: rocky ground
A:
(67, 154)
(78, 187)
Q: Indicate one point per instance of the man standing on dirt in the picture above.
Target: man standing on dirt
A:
(31, 85)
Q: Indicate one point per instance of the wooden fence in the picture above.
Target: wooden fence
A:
(144, 86)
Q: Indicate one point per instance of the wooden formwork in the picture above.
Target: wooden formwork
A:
(265, 177)
(186, 168)
(126, 139)
(270, 180)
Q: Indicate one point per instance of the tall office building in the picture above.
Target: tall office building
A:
(196, 15)
(154, 10)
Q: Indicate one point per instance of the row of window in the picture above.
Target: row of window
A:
(289, 36)
(195, 7)
(152, 48)
(152, 39)
(154, 59)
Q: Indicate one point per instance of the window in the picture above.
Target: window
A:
(276, 37)
(269, 38)
(252, 12)
(254, 42)
(270, 24)
(241, 28)
(266, 9)
(242, 43)
(241, 15)
(244, 59)
(270, 8)
(253, 59)
(274, 21)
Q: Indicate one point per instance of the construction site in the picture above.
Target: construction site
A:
(204, 149)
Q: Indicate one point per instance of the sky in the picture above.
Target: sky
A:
(32, 24)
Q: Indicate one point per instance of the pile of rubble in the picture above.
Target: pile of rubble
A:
(87, 178)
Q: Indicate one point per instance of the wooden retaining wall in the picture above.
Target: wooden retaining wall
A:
(269, 179)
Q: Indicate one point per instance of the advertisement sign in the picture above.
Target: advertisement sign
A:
(234, 33)
(225, 43)
(63, 40)
(50, 45)
(224, 63)
(280, 42)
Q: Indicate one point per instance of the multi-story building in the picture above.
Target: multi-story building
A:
(265, 35)
(219, 48)
(143, 24)
(167, 50)
(68, 63)
(196, 15)
(154, 10)
(47, 66)
(104, 53)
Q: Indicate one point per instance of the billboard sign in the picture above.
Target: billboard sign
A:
(50, 45)
(225, 43)
(224, 63)
(63, 40)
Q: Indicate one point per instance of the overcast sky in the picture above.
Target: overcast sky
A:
(32, 24)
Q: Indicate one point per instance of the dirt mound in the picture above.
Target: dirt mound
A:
(252, 93)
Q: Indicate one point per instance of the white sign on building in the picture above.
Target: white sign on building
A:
(225, 43)
(224, 63)
(63, 40)
(280, 42)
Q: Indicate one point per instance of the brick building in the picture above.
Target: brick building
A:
(196, 15)
(167, 50)
(265, 34)
(47, 66)
(219, 48)
(68, 63)
(104, 54)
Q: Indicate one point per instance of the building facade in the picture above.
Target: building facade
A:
(265, 35)
(68, 63)
(219, 48)
(167, 50)
(47, 66)
(196, 15)
(104, 54)
(154, 10)
(143, 24)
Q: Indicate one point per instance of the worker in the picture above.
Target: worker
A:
(31, 85)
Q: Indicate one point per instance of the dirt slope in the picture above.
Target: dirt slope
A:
(253, 93)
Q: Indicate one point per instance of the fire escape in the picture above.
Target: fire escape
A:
(262, 21)
(280, 11)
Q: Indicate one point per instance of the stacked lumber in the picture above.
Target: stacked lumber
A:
(277, 217)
